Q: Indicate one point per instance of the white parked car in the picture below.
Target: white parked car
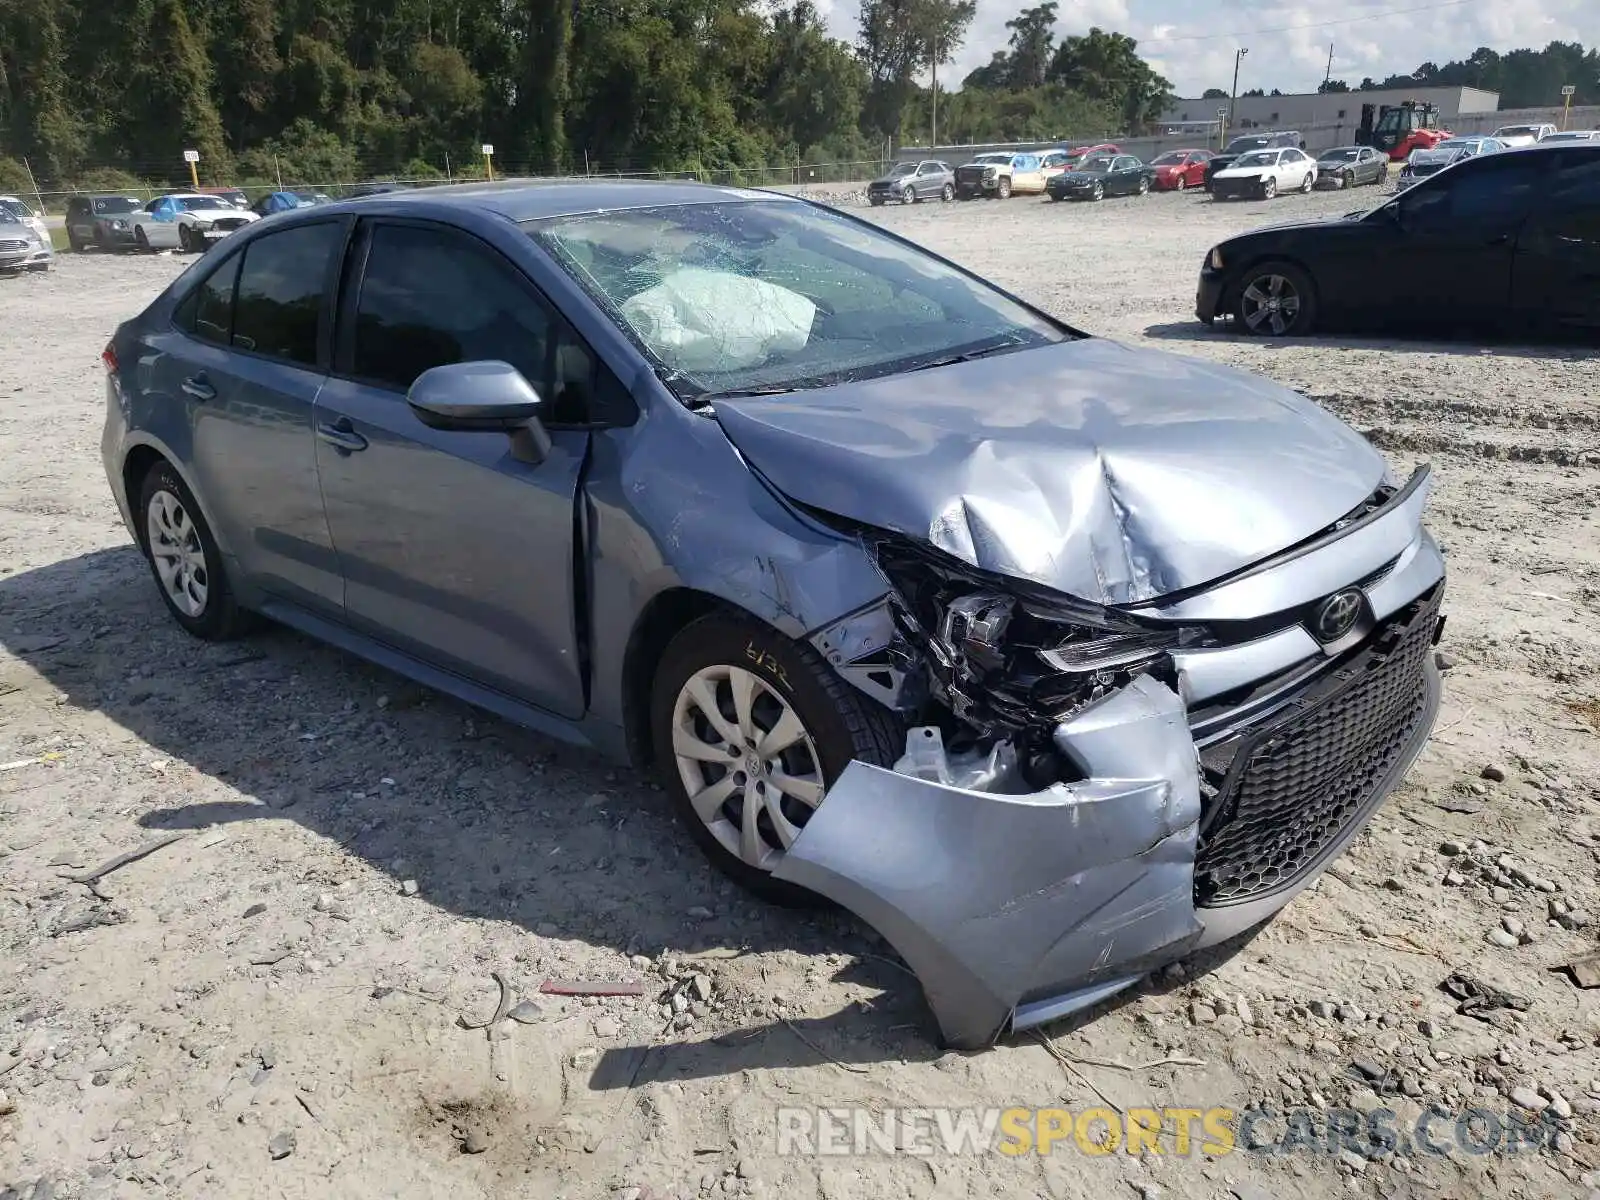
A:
(1265, 173)
(1522, 135)
(24, 239)
(1574, 135)
(186, 221)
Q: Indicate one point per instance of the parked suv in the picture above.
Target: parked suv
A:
(999, 174)
(909, 182)
(718, 480)
(102, 221)
(1245, 143)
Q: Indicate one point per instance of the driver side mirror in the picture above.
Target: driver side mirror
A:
(483, 397)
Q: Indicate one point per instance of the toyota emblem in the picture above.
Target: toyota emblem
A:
(1337, 615)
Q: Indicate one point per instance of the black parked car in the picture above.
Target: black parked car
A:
(1501, 240)
(1247, 142)
(1102, 175)
(101, 221)
(909, 182)
(1351, 166)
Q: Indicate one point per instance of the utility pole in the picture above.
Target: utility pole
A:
(1234, 99)
(1328, 74)
(935, 139)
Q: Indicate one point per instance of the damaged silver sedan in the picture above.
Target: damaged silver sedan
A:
(1050, 658)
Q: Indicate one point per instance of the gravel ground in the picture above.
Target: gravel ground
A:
(274, 1003)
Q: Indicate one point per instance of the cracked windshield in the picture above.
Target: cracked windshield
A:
(766, 297)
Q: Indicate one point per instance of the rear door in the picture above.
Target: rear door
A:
(453, 550)
(246, 366)
(1557, 272)
(1455, 239)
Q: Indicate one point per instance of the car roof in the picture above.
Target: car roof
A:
(532, 200)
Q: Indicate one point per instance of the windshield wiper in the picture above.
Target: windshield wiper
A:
(977, 352)
(740, 393)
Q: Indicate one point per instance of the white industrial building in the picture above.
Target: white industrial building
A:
(1307, 110)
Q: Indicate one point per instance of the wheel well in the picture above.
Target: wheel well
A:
(139, 463)
(660, 622)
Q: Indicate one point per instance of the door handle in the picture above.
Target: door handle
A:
(341, 435)
(199, 387)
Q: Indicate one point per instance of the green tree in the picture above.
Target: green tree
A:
(542, 89)
(172, 105)
(1214, 94)
(1033, 43)
(898, 39)
(1106, 67)
(244, 48)
(35, 105)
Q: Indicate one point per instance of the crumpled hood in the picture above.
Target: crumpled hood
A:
(1113, 474)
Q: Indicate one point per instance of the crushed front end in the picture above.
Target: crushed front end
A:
(1089, 793)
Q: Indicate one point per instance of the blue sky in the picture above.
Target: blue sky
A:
(1192, 42)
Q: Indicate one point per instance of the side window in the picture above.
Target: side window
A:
(207, 312)
(1575, 200)
(282, 288)
(430, 297)
(1491, 188)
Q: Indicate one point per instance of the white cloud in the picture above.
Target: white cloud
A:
(1193, 45)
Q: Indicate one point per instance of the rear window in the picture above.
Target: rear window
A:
(281, 289)
(111, 206)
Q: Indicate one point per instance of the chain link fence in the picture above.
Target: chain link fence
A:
(117, 181)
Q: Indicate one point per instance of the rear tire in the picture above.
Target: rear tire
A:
(946, 194)
(185, 559)
(1306, 184)
(1144, 187)
(712, 662)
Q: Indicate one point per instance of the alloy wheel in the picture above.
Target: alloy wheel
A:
(1099, 192)
(1182, 184)
(1305, 184)
(1271, 304)
(178, 554)
(909, 196)
(947, 193)
(1269, 189)
(748, 763)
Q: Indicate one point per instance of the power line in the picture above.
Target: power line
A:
(1239, 33)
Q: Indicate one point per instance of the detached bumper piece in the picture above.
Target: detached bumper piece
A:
(1047, 900)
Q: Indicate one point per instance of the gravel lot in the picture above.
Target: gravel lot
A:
(269, 1006)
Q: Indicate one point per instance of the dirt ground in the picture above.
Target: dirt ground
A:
(273, 1004)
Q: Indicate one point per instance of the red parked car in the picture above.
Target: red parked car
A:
(1079, 153)
(1179, 170)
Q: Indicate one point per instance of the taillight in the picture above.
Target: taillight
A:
(108, 358)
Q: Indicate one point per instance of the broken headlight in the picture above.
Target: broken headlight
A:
(1005, 655)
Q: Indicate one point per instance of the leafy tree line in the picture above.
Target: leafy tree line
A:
(329, 90)
(1524, 78)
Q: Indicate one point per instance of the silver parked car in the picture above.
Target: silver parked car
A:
(1420, 164)
(1051, 658)
(908, 182)
(24, 240)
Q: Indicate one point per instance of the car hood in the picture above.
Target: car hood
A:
(1107, 473)
(1240, 172)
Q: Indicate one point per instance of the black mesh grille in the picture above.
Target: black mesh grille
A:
(1298, 779)
(230, 223)
(969, 174)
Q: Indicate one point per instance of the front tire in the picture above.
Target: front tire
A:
(1269, 189)
(1003, 189)
(1182, 185)
(749, 730)
(1099, 192)
(141, 240)
(1277, 299)
(185, 559)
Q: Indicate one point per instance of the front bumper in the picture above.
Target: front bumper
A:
(19, 258)
(108, 235)
(1237, 189)
(1188, 826)
(1208, 297)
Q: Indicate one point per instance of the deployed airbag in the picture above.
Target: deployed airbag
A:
(699, 320)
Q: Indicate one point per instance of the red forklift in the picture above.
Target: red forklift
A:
(1401, 128)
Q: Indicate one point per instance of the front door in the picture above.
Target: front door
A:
(1557, 274)
(1456, 239)
(453, 550)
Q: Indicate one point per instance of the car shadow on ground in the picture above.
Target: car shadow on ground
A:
(1575, 346)
(495, 823)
